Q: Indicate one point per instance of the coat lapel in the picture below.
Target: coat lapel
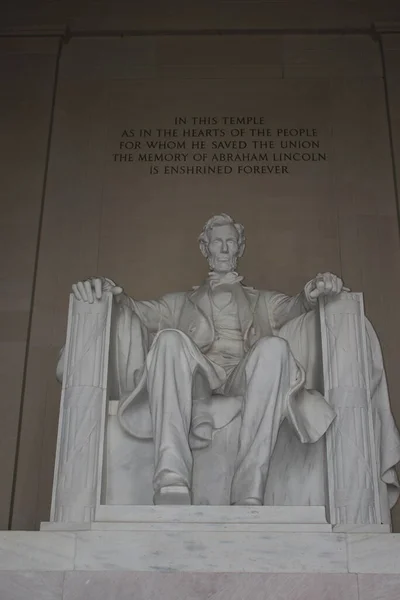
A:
(200, 297)
(196, 317)
(246, 299)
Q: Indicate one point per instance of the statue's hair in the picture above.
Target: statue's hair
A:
(217, 220)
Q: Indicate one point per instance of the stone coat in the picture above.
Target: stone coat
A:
(261, 314)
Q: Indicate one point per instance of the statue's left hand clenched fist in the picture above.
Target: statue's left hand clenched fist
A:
(326, 284)
(94, 287)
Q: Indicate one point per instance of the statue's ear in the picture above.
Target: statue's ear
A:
(241, 250)
(203, 249)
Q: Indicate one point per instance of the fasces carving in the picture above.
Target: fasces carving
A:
(83, 402)
(352, 467)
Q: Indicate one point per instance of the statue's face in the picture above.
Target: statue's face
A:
(223, 248)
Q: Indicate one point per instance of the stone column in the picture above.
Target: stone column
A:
(352, 470)
(77, 478)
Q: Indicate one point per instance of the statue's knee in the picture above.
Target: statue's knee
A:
(169, 338)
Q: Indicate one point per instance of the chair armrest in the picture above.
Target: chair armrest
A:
(82, 410)
(351, 454)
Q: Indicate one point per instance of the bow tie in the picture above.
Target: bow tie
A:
(215, 279)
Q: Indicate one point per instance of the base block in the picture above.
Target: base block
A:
(176, 517)
(226, 515)
(177, 564)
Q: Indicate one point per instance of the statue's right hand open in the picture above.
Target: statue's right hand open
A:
(94, 287)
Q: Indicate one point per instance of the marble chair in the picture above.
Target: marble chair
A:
(99, 468)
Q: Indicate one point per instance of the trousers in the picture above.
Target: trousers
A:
(263, 378)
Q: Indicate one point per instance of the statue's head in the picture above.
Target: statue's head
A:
(222, 242)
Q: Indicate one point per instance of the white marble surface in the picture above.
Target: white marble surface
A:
(83, 366)
(353, 487)
(368, 528)
(218, 586)
(219, 449)
(379, 587)
(30, 550)
(213, 514)
(198, 551)
(211, 552)
(213, 327)
(128, 585)
(59, 526)
(130, 466)
(374, 553)
(291, 528)
(130, 461)
(31, 585)
(203, 518)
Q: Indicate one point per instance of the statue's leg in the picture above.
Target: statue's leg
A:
(171, 367)
(266, 377)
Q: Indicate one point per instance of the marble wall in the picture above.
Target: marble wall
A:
(103, 217)
(28, 66)
(115, 218)
(391, 53)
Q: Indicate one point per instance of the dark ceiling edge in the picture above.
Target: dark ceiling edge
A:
(67, 33)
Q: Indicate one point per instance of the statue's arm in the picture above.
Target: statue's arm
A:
(154, 314)
(283, 308)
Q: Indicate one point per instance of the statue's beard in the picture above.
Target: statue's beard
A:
(225, 266)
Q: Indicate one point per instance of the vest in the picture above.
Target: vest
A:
(228, 347)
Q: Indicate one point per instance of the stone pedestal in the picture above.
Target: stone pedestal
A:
(198, 563)
(99, 550)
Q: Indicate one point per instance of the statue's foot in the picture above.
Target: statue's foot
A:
(172, 494)
(249, 502)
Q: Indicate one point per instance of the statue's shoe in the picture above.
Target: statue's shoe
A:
(172, 494)
(249, 502)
